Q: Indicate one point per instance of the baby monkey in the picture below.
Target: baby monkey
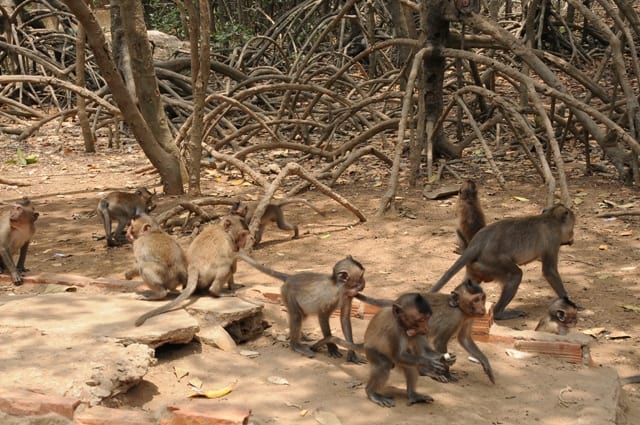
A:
(562, 315)
(392, 339)
(470, 216)
(122, 207)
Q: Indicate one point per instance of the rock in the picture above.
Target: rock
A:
(217, 336)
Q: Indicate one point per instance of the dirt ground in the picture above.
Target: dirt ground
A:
(407, 250)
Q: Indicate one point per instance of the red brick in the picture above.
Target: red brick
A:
(98, 415)
(205, 412)
(569, 351)
(22, 402)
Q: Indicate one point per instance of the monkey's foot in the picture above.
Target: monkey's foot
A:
(151, 296)
(303, 349)
(353, 357)
(380, 400)
(418, 398)
(333, 350)
(509, 314)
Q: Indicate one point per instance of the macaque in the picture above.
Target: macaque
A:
(123, 206)
(470, 215)
(305, 294)
(496, 250)
(211, 261)
(562, 315)
(453, 314)
(273, 214)
(160, 261)
(17, 227)
(392, 339)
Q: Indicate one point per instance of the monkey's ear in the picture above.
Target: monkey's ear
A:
(226, 223)
(561, 315)
(146, 227)
(343, 276)
(454, 301)
(397, 310)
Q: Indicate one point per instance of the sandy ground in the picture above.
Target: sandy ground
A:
(407, 250)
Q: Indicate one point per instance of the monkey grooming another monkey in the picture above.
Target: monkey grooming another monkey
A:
(123, 206)
(453, 314)
(305, 294)
(562, 315)
(212, 261)
(470, 215)
(392, 339)
(496, 250)
(160, 261)
(273, 213)
(17, 227)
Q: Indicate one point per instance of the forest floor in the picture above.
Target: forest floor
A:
(408, 249)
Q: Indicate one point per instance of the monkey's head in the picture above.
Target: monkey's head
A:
(468, 190)
(147, 199)
(412, 312)
(139, 225)
(470, 298)
(567, 220)
(23, 213)
(349, 274)
(564, 311)
(237, 230)
(239, 209)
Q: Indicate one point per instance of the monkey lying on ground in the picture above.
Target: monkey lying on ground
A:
(17, 227)
(470, 215)
(160, 261)
(123, 206)
(212, 261)
(496, 250)
(453, 314)
(562, 315)
(392, 339)
(273, 213)
(305, 294)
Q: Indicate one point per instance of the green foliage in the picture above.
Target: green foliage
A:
(163, 15)
(229, 35)
(23, 160)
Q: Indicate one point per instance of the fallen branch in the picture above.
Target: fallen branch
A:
(618, 214)
(13, 182)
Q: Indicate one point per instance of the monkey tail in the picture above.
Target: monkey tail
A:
(264, 269)
(288, 201)
(630, 380)
(339, 341)
(192, 282)
(468, 255)
(378, 302)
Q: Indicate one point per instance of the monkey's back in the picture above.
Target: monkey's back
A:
(162, 252)
(311, 292)
(209, 252)
(382, 333)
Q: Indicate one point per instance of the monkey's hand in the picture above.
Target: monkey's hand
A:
(16, 278)
(449, 359)
(434, 363)
(333, 350)
(353, 357)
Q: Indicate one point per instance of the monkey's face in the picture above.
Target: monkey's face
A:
(567, 318)
(414, 322)
(23, 215)
(147, 199)
(567, 221)
(353, 281)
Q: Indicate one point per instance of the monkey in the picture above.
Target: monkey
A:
(452, 315)
(122, 206)
(635, 379)
(273, 213)
(305, 294)
(496, 250)
(211, 261)
(17, 227)
(160, 260)
(470, 215)
(562, 315)
(392, 339)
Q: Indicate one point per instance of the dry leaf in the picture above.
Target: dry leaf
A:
(630, 307)
(195, 382)
(236, 182)
(603, 247)
(594, 332)
(180, 373)
(520, 198)
(618, 335)
(327, 418)
(278, 380)
(626, 233)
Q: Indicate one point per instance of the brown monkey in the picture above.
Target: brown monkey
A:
(212, 261)
(273, 213)
(17, 227)
(123, 206)
(160, 261)
(470, 215)
(452, 315)
(496, 250)
(392, 339)
(562, 315)
(305, 294)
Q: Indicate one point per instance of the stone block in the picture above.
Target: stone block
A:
(99, 415)
(23, 402)
(205, 412)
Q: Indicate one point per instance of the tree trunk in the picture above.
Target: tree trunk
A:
(166, 162)
(87, 134)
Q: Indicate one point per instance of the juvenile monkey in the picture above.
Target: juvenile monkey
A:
(562, 315)
(160, 261)
(123, 206)
(17, 227)
(392, 339)
(470, 215)
(496, 250)
(273, 213)
(305, 294)
(453, 314)
(212, 261)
